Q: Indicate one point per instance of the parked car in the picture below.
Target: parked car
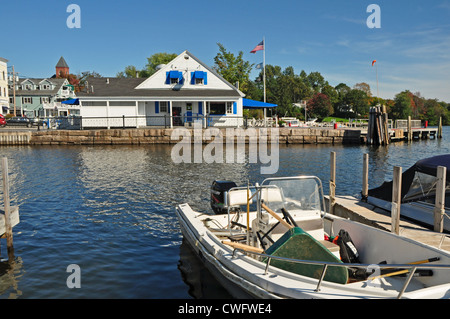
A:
(19, 120)
(2, 121)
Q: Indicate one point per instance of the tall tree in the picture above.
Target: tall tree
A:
(157, 59)
(316, 81)
(129, 72)
(356, 102)
(402, 107)
(233, 68)
(363, 87)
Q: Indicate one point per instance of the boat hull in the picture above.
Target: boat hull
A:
(245, 277)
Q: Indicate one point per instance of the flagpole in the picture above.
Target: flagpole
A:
(264, 67)
(264, 76)
(378, 93)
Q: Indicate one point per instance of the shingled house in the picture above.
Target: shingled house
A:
(180, 92)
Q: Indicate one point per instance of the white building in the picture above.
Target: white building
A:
(179, 93)
(4, 96)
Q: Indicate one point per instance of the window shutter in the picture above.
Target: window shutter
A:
(205, 78)
(235, 108)
(157, 107)
(200, 108)
(167, 77)
(180, 78)
(192, 77)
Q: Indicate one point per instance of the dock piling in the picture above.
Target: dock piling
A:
(7, 208)
(365, 182)
(410, 133)
(332, 182)
(396, 200)
(439, 208)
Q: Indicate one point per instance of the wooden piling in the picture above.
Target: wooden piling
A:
(439, 135)
(332, 182)
(410, 134)
(439, 208)
(365, 182)
(396, 200)
(7, 208)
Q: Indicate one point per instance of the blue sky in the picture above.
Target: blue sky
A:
(412, 46)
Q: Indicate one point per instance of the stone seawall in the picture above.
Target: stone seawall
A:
(173, 136)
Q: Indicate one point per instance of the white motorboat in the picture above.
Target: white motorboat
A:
(418, 192)
(275, 240)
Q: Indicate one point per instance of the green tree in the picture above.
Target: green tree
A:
(435, 110)
(402, 107)
(233, 68)
(316, 81)
(356, 102)
(151, 67)
(157, 59)
(129, 72)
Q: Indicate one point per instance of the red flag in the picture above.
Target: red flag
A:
(259, 47)
(373, 62)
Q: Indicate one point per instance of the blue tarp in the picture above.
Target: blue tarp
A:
(251, 104)
(71, 102)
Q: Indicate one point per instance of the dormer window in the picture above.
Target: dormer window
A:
(199, 78)
(45, 87)
(174, 77)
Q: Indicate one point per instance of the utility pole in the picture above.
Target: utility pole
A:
(14, 88)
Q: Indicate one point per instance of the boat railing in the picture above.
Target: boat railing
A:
(399, 268)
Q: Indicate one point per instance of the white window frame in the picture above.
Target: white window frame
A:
(229, 107)
(27, 100)
(163, 107)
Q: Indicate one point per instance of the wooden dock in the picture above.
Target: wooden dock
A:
(402, 134)
(354, 209)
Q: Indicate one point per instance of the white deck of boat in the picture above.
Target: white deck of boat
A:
(353, 208)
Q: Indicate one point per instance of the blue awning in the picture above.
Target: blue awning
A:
(71, 102)
(199, 74)
(251, 104)
(175, 75)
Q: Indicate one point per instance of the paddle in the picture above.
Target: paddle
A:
(404, 271)
(281, 220)
(244, 247)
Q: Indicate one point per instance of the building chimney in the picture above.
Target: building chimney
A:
(107, 80)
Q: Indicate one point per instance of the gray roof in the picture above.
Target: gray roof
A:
(3, 60)
(126, 87)
(62, 63)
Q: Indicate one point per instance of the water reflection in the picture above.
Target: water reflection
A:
(110, 209)
(202, 285)
(10, 275)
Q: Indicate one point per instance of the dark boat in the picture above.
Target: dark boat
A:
(418, 192)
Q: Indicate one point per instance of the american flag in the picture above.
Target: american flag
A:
(259, 47)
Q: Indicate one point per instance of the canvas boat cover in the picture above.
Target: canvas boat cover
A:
(418, 182)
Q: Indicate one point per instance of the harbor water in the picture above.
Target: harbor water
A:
(110, 211)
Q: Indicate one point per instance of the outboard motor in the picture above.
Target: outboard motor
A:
(219, 191)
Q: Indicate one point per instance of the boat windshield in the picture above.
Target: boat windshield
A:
(302, 192)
